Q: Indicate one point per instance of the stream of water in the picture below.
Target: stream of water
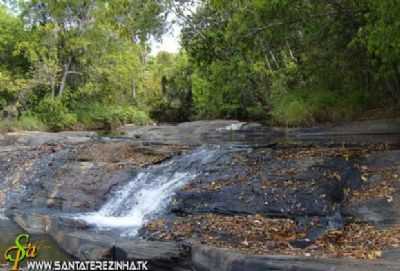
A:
(147, 195)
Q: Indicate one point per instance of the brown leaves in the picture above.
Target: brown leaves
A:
(359, 241)
(382, 190)
(259, 235)
(125, 153)
(254, 233)
(385, 188)
(306, 152)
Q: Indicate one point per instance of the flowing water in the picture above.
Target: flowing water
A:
(147, 195)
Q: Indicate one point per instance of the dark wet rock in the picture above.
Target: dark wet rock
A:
(44, 175)
(378, 202)
(275, 202)
(386, 159)
(57, 183)
(315, 230)
(378, 212)
(92, 246)
(310, 192)
(84, 243)
(71, 178)
(212, 259)
(349, 176)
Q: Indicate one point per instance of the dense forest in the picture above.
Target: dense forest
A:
(86, 64)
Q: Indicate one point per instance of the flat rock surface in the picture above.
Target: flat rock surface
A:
(210, 259)
(315, 201)
(203, 132)
(66, 177)
(327, 198)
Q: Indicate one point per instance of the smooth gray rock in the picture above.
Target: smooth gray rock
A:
(94, 246)
(39, 138)
(386, 131)
(41, 174)
(203, 132)
(213, 259)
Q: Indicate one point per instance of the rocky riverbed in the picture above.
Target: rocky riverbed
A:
(257, 198)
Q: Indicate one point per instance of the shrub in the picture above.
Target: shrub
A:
(30, 122)
(27, 122)
(138, 117)
(3, 103)
(55, 115)
(166, 112)
(6, 126)
(99, 116)
(292, 111)
(303, 107)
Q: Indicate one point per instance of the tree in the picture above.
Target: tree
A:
(245, 51)
(381, 36)
(85, 55)
(168, 87)
(12, 65)
(81, 32)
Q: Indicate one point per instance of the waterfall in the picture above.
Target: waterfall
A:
(148, 194)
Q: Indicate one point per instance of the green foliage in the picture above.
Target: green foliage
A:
(305, 107)
(11, 33)
(292, 111)
(56, 56)
(108, 117)
(27, 122)
(381, 35)
(12, 65)
(117, 76)
(86, 64)
(169, 87)
(297, 62)
(30, 122)
(55, 114)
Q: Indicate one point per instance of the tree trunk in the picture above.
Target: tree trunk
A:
(164, 82)
(65, 75)
(133, 89)
(53, 87)
(274, 59)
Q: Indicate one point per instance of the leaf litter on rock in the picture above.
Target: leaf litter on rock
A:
(255, 234)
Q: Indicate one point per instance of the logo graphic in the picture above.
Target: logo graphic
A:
(22, 250)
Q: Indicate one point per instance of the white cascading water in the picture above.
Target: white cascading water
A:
(147, 195)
